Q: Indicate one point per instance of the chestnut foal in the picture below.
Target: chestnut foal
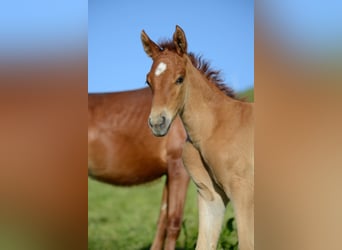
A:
(220, 154)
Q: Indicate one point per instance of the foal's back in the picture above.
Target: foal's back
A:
(121, 147)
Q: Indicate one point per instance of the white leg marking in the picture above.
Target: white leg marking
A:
(160, 69)
(164, 206)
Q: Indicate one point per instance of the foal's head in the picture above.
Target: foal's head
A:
(167, 79)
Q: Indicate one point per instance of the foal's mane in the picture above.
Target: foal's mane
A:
(213, 76)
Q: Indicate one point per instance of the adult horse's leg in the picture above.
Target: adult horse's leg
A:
(242, 196)
(162, 221)
(178, 183)
(211, 200)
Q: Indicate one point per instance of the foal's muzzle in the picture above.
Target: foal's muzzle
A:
(159, 124)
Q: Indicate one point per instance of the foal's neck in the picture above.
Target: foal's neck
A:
(202, 106)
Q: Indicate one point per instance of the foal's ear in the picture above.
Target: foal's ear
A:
(180, 41)
(151, 49)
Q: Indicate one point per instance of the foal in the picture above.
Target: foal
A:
(123, 151)
(219, 155)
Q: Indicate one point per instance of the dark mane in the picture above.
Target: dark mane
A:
(214, 76)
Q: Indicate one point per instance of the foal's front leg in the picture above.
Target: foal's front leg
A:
(211, 204)
(211, 214)
(242, 196)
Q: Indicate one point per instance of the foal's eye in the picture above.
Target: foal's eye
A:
(179, 80)
(148, 83)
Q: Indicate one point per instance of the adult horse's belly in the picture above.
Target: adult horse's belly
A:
(123, 159)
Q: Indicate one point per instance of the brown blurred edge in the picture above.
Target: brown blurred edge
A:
(298, 146)
(43, 181)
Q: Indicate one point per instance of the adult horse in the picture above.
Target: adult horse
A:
(220, 128)
(123, 151)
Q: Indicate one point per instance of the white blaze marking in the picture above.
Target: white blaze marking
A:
(160, 69)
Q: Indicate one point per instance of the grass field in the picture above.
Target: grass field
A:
(122, 218)
(125, 218)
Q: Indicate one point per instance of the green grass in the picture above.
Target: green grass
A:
(122, 218)
(125, 218)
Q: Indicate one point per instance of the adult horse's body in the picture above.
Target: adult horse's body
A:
(220, 153)
(123, 151)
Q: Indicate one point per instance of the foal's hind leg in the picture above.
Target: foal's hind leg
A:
(211, 201)
(162, 221)
(178, 182)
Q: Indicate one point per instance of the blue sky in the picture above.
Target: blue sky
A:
(309, 28)
(39, 28)
(221, 31)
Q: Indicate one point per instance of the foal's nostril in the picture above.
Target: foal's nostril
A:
(150, 122)
(163, 119)
(158, 123)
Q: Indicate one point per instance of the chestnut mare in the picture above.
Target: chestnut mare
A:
(220, 128)
(123, 151)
